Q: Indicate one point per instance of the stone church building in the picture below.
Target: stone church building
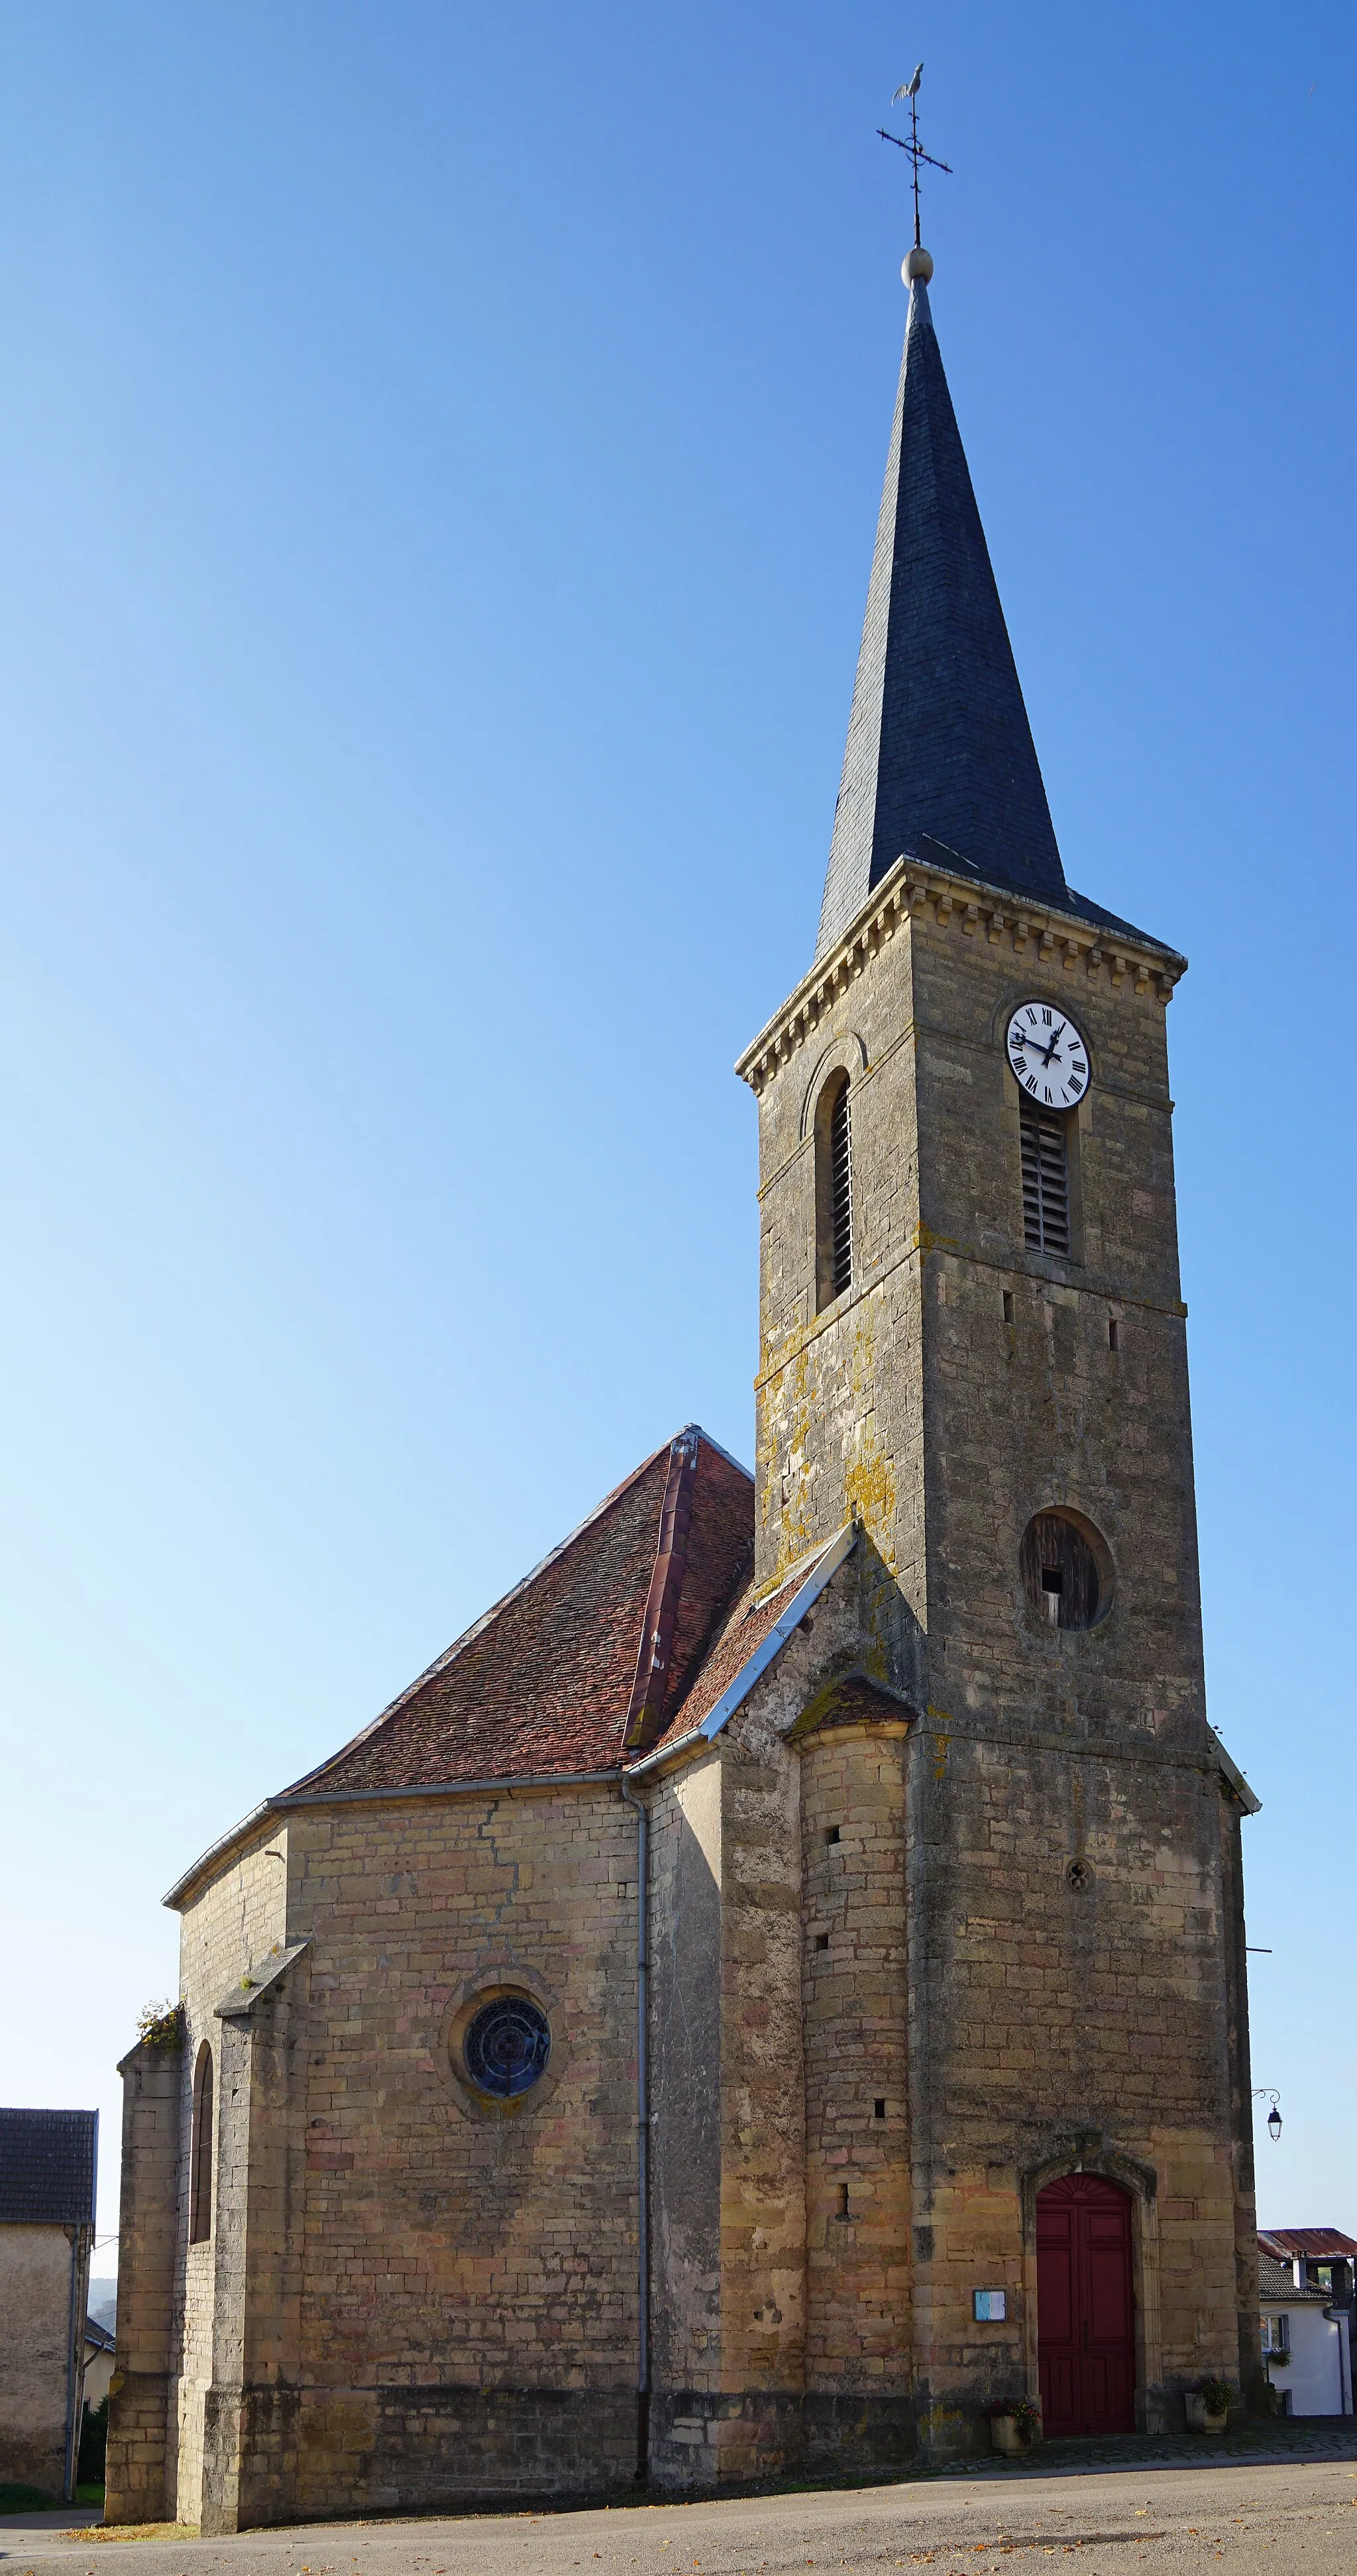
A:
(775, 1988)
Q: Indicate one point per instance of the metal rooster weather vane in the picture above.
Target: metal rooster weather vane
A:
(910, 89)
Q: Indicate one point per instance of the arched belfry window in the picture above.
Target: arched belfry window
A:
(200, 2151)
(1045, 1177)
(833, 1191)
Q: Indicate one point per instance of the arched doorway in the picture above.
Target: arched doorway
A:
(1085, 2306)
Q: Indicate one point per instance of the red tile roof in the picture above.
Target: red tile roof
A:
(1317, 2244)
(541, 1684)
(748, 1623)
(737, 1636)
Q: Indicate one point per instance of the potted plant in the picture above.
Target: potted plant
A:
(1208, 2405)
(1014, 2425)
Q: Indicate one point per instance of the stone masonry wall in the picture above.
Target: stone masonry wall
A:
(231, 1927)
(467, 2308)
(685, 2123)
(782, 2339)
(961, 1384)
(139, 2476)
(858, 2334)
(35, 2345)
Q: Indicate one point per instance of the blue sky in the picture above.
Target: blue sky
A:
(438, 462)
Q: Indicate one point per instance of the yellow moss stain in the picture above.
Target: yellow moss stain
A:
(940, 1722)
(869, 1476)
(783, 1463)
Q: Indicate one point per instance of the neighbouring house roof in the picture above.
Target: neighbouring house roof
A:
(48, 2161)
(1276, 2281)
(1315, 2244)
(97, 2337)
(542, 1683)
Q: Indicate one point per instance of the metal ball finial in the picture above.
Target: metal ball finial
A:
(917, 263)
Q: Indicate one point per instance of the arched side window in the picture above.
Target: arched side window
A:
(1045, 1178)
(833, 1191)
(200, 2151)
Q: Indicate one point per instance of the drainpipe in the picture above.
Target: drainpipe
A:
(642, 2129)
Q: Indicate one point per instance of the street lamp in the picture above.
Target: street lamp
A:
(1266, 2093)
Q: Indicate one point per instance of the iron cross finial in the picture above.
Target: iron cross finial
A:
(910, 89)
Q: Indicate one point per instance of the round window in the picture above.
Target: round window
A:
(507, 2046)
(1066, 1570)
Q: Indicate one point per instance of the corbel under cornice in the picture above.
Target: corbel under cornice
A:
(968, 905)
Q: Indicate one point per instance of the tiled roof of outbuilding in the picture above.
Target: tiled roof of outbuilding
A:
(47, 2168)
(1277, 2281)
(540, 1685)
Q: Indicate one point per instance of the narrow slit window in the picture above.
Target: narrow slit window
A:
(841, 1191)
(200, 2151)
(1045, 1179)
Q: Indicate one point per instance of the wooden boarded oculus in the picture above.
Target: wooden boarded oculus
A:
(1062, 1576)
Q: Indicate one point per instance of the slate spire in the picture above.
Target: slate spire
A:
(939, 747)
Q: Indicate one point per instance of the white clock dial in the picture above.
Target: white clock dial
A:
(1048, 1055)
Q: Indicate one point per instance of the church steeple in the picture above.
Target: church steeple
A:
(939, 747)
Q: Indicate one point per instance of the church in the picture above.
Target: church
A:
(772, 1994)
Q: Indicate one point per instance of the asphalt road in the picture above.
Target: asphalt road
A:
(1299, 2515)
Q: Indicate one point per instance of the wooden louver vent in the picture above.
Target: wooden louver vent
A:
(841, 1193)
(1045, 1179)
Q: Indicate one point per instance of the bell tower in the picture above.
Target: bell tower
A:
(973, 1344)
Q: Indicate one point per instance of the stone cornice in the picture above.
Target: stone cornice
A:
(964, 904)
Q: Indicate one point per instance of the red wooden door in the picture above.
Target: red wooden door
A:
(1085, 2308)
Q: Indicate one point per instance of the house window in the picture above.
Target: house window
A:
(200, 2151)
(1045, 1178)
(833, 1192)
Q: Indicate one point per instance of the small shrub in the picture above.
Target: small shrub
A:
(160, 2025)
(1216, 2395)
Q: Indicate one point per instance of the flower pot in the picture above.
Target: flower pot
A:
(1005, 2437)
(1198, 2421)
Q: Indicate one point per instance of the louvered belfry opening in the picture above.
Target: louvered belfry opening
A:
(1045, 1179)
(841, 1192)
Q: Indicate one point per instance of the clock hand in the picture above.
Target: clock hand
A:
(1050, 1051)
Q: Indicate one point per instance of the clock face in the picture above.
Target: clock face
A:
(1048, 1055)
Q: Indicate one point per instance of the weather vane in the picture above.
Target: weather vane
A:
(910, 89)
